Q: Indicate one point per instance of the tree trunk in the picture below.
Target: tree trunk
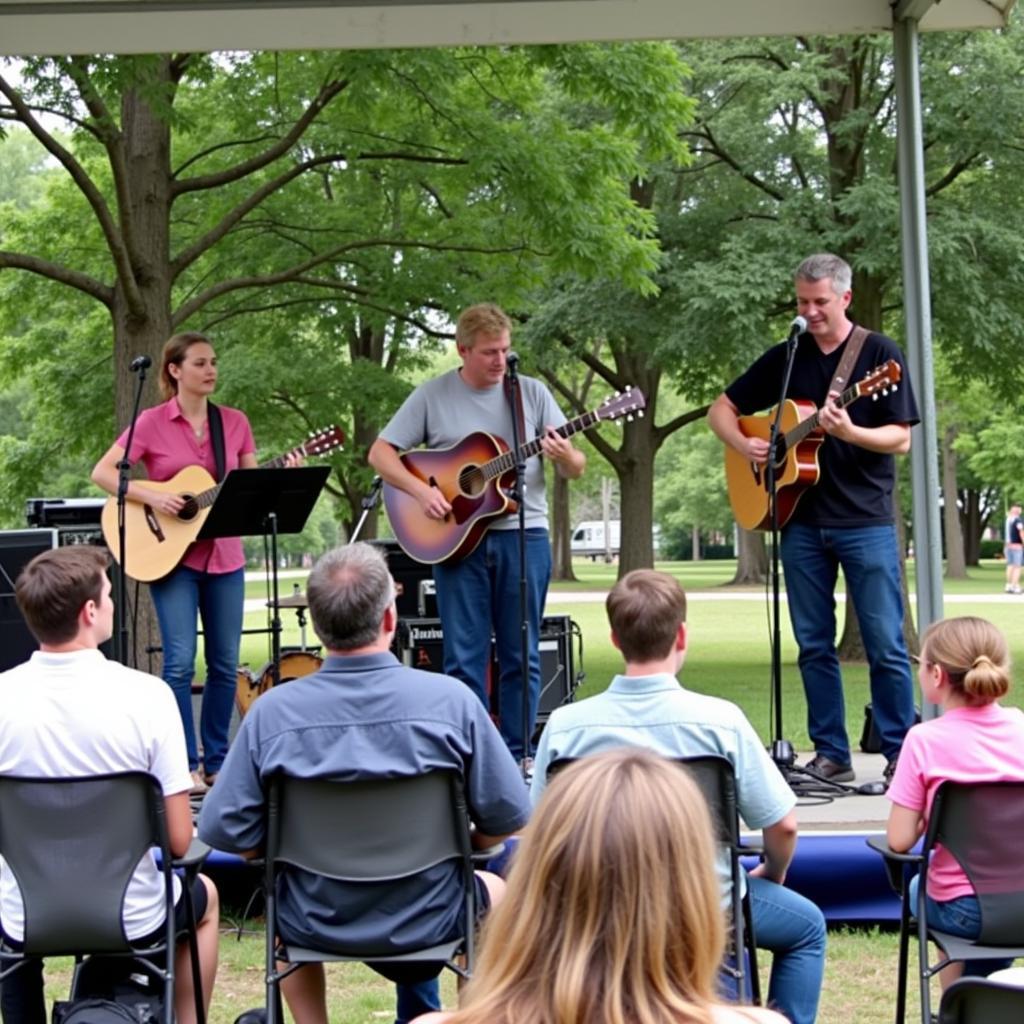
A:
(695, 543)
(635, 469)
(956, 566)
(561, 531)
(141, 309)
(751, 557)
(973, 522)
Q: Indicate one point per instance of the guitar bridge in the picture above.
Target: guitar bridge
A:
(153, 523)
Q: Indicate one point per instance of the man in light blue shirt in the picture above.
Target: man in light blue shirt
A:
(646, 707)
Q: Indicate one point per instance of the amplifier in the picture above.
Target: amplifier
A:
(64, 512)
(419, 643)
(17, 549)
(407, 574)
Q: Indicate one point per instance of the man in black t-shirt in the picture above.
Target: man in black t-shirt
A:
(846, 519)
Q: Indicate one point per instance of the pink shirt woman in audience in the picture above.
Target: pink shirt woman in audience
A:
(965, 668)
(209, 581)
(612, 912)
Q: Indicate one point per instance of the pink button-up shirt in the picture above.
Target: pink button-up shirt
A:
(166, 444)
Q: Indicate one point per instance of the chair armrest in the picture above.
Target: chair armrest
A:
(193, 858)
(488, 853)
(895, 863)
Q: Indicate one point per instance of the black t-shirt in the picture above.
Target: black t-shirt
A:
(855, 487)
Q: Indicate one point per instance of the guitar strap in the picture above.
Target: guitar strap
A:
(853, 346)
(216, 425)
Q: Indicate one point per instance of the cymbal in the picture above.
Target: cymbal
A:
(297, 600)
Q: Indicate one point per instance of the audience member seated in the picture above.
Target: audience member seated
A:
(365, 715)
(612, 911)
(964, 667)
(647, 707)
(69, 712)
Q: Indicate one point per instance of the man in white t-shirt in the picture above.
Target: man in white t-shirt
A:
(67, 712)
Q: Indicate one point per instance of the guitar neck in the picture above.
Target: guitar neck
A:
(507, 460)
(805, 427)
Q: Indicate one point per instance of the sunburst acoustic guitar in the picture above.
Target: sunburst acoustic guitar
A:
(796, 454)
(474, 475)
(156, 542)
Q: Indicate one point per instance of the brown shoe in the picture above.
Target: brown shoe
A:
(209, 779)
(825, 768)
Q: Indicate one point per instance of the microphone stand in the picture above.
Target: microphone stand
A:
(139, 365)
(515, 399)
(367, 504)
(781, 749)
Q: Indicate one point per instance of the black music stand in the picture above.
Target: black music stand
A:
(266, 502)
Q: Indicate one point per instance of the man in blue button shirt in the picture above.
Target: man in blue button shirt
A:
(646, 707)
(365, 715)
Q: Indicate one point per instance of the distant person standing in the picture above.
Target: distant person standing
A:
(1013, 537)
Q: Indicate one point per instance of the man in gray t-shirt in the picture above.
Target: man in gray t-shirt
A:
(480, 592)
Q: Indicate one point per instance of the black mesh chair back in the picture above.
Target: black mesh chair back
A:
(716, 779)
(981, 1001)
(373, 830)
(73, 845)
(982, 826)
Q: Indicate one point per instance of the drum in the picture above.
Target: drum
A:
(250, 686)
(246, 690)
(293, 665)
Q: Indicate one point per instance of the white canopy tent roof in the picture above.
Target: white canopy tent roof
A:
(147, 26)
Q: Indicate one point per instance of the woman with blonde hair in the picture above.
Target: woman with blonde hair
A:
(612, 913)
(965, 668)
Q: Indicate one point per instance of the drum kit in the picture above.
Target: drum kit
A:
(295, 661)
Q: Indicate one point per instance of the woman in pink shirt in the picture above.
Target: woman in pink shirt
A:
(210, 579)
(965, 668)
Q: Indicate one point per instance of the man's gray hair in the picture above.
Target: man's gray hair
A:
(825, 264)
(349, 590)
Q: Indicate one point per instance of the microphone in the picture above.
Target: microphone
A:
(512, 362)
(140, 363)
(796, 328)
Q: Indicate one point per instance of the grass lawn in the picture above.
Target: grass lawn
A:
(729, 640)
(860, 982)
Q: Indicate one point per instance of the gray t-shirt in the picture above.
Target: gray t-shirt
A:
(442, 411)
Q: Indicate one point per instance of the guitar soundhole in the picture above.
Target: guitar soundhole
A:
(190, 509)
(471, 481)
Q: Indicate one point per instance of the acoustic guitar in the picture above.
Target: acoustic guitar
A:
(474, 476)
(156, 542)
(796, 453)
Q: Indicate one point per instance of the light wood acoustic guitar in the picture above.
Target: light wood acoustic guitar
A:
(475, 475)
(156, 542)
(796, 452)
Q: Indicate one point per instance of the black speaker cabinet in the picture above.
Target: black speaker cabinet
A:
(407, 574)
(17, 549)
(419, 643)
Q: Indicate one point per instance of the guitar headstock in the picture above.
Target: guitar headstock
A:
(881, 380)
(322, 442)
(623, 403)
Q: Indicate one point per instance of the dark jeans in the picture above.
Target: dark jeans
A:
(481, 592)
(869, 557)
(219, 600)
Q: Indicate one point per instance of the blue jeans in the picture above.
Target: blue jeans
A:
(481, 593)
(218, 599)
(961, 917)
(793, 929)
(869, 557)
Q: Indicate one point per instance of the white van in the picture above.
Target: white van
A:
(588, 540)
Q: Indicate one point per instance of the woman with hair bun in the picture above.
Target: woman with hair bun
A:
(964, 667)
(612, 913)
